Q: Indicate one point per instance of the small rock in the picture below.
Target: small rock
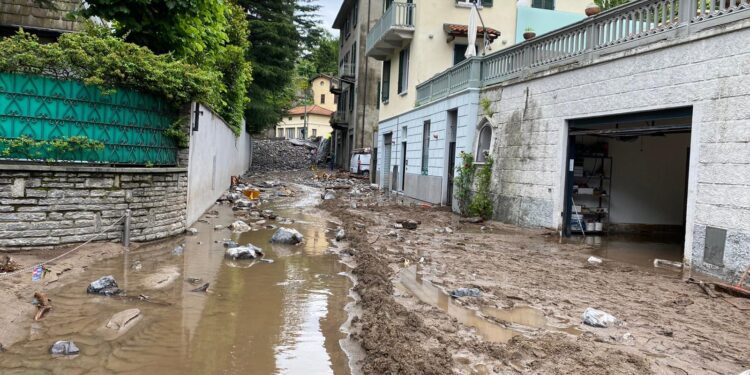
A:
(230, 244)
(218, 227)
(410, 224)
(178, 250)
(136, 265)
(287, 236)
(329, 195)
(244, 252)
(239, 226)
(594, 260)
(340, 234)
(448, 230)
(201, 288)
(64, 348)
(106, 286)
(466, 292)
(597, 318)
(392, 234)
(398, 226)
(192, 231)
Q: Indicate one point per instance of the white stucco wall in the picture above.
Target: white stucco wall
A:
(216, 154)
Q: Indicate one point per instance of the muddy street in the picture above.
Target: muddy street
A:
(282, 314)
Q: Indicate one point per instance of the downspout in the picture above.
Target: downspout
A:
(364, 98)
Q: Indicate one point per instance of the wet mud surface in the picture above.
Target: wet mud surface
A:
(256, 317)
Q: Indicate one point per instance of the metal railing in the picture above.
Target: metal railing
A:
(398, 15)
(628, 26)
(346, 70)
(340, 117)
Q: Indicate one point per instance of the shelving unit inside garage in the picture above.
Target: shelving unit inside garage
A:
(592, 187)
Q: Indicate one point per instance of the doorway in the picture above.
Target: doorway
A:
(387, 139)
(403, 165)
(450, 156)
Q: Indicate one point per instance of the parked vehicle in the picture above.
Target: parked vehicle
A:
(360, 163)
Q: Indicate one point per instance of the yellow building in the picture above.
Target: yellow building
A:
(316, 118)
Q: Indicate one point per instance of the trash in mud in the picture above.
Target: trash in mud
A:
(230, 244)
(163, 277)
(7, 264)
(465, 292)
(244, 252)
(192, 231)
(239, 226)
(252, 194)
(340, 234)
(663, 263)
(201, 288)
(264, 260)
(594, 260)
(472, 220)
(178, 250)
(43, 305)
(706, 287)
(287, 236)
(328, 196)
(64, 348)
(106, 286)
(408, 224)
(218, 227)
(120, 323)
(598, 318)
(136, 265)
(194, 280)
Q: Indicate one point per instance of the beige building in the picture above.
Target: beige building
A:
(303, 122)
(417, 39)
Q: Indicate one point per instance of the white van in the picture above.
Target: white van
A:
(360, 163)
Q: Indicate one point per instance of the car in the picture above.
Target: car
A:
(360, 163)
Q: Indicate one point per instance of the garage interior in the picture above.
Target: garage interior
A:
(626, 185)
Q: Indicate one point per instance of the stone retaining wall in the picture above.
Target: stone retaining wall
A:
(44, 206)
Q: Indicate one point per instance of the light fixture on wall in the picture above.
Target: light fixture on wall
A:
(435, 135)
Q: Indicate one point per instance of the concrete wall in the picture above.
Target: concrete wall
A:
(709, 73)
(429, 187)
(54, 205)
(215, 154)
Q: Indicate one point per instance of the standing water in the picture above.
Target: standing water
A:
(256, 317)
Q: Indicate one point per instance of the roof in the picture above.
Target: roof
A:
(346, 7)
(321, 75)
(463, 30)
(311, 110)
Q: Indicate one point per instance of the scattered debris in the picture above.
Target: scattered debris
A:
(328, 195)
(43, 305)
(239, 226)
(136, 265)
(201, 288)
(408, 224)
(7, 264)
(218, 227)
(598, 318)
(472, 220)
(244, 252)
(192, 231)
(663, 263)
(64, 348)
(106, 286)
(287, 236)
(340, 234)
(178, 250)
(120, 323)
(707, 288)
(466, 292)
(594, 260)
(230, 244)
(448, 230)
(194, 280)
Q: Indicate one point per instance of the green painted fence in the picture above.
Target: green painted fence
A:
(130, 124)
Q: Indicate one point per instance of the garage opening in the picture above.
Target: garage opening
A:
(627, 181)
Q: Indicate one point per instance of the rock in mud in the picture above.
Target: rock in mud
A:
(201, 288)
(239, 226)
(410, 224)
(328, 196)
(466, 292)
(230, 244)
(192, 231)
(106, 286)
(598, 318)
(287, 236)
(594, 260)
(218, 227)
(340, 234)
(244, 252)
(120, 323)
(136, 265)
(64, 348)
(161, 279)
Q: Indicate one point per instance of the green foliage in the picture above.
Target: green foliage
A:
(486, 105)
(177, 132)
(325, 55)
(464, 182)
(481, 203)
(187, 28)
(58, 149)
(609, 4)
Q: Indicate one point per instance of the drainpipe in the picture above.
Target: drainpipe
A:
(364, 99)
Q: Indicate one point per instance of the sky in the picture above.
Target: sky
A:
(328, 11)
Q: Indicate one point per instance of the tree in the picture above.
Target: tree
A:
(188, 28)
(307, 21)
(609, 4)
(325, 56)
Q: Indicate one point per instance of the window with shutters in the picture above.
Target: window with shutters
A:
(543, 4)
(425, 147)
(386, 81)
(403, 71)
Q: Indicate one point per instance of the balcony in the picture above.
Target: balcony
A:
(340, 118)
(393, 31)
(346, 72)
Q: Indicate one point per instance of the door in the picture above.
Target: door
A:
(403, 165)
(451, 171)
(387, 160)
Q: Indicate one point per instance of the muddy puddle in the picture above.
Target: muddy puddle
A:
(264, 318)
(638, 250)
(520, 320)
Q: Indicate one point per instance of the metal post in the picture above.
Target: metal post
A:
(126, 233)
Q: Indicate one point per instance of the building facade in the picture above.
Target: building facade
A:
(44, 21)
(314, 120)
(356, 118)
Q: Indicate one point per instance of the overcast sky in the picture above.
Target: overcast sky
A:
(328, 11)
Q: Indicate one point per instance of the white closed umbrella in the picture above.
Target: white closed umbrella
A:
(471, 49)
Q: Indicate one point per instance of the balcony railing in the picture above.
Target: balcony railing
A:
(392, 31)
(628, 26)
(346, 70)
(340, 117)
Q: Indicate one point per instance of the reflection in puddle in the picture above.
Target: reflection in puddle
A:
(522, 318)
(270, 318)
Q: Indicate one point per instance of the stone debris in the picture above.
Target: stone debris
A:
(194, 280)
(329, 195)
(218, 227)
(192, 231)
(594, 260)
(106, 286)
(244, 252)
(7, 264)
(282, 155)
(466, 292)
(598, 318)
(164, 277)
(230, 244)
(287, 236)
(178, 250)
(64, 348)
(201, 288)
(239, 226)
(340, 234)
(120, 323)
(408, 224)
(136, 265)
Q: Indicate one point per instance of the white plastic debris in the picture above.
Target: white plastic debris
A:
(595, 260)
(598, 318)
(667, 263)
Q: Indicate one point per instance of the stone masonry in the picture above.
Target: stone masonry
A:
(44, 206)
(28, 14)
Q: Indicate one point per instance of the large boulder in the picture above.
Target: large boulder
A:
(239, 226)
(287, 236)
(244, 252)
(120, 323)
(64, 348)
(106, 286)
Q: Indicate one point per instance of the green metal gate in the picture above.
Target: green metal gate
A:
(130, 124)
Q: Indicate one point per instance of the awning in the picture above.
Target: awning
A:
(457, 30)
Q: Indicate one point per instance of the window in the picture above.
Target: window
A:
(290, 133)
(290, 118)
(403, 70)
(425, 146)
(322, 98)
(483, 3)
(302, 118)
(377, 92)
(355, 13)
(543, 4)
(279, 132)
(386, 81)
(351, 99)
(315, 132)
(335, 99)
(483, 143)
(322, 82)
(459, 53)
(354, 55)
